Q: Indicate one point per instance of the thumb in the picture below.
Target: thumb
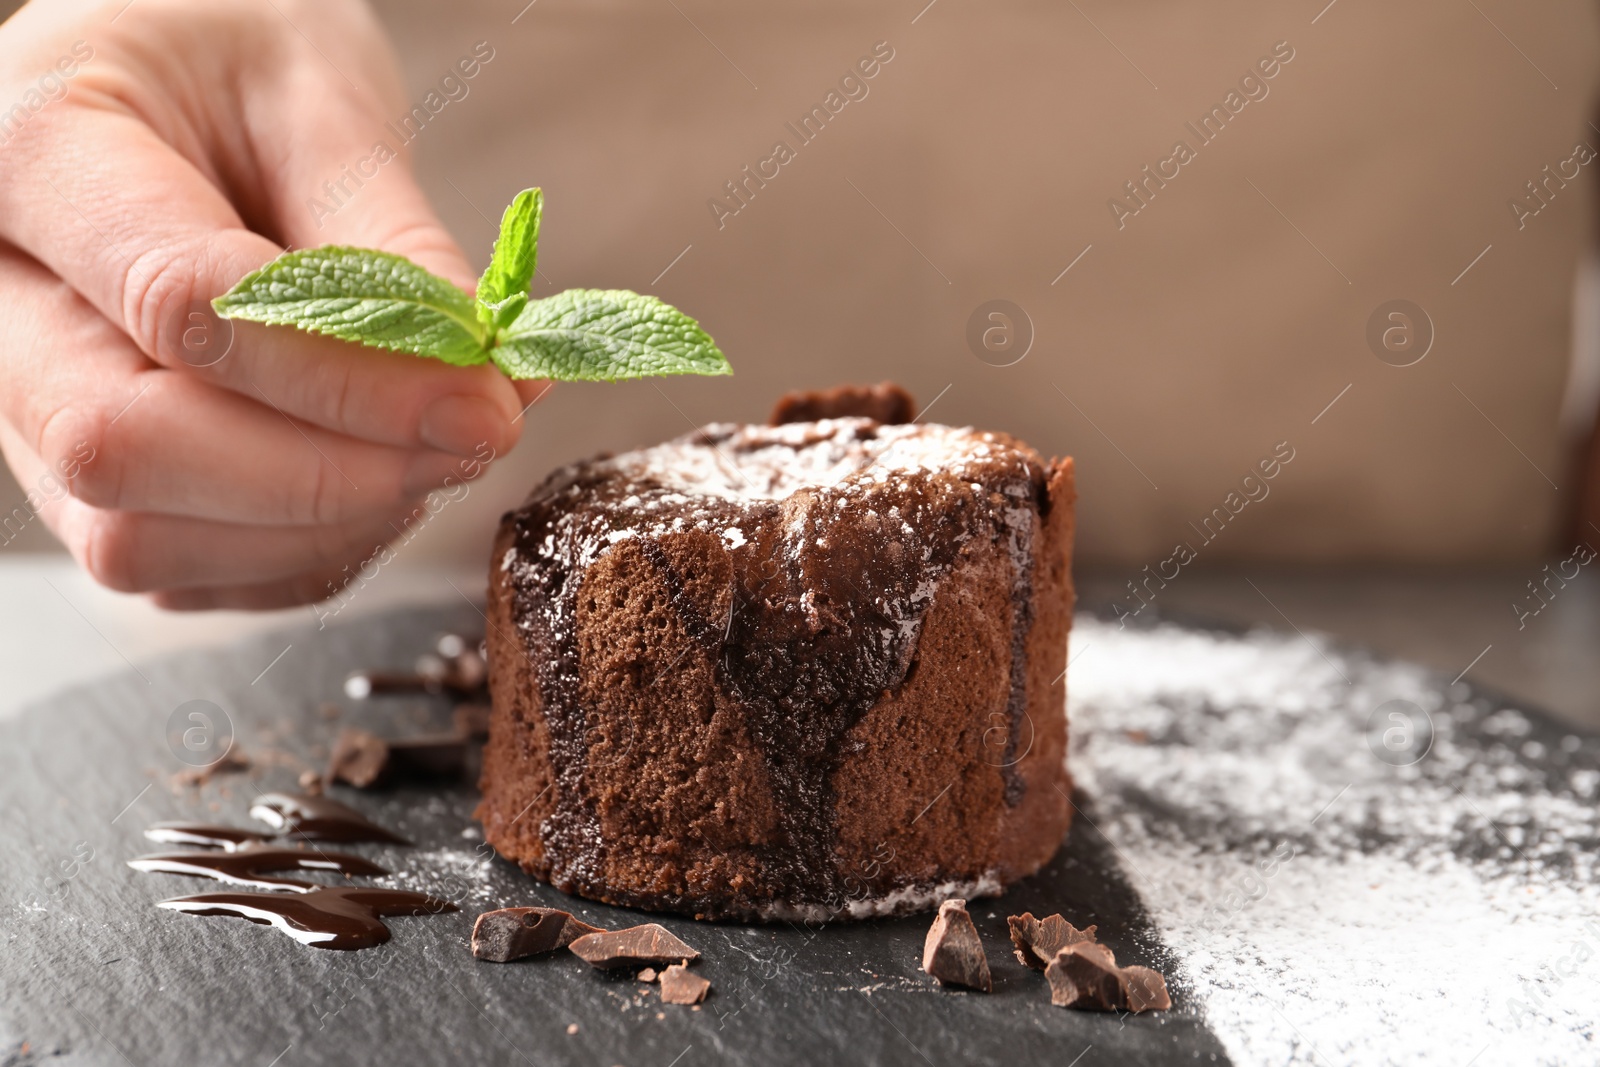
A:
(347, 180)
(346, 189)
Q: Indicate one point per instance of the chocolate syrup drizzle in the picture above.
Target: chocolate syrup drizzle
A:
(337, 917)
(250, 866)
(322, 916)
(318, 819)
(832, 580)
(227, 838)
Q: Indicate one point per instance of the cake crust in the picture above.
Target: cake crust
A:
(803, 671)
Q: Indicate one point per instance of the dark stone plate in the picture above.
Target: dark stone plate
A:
(93, 972)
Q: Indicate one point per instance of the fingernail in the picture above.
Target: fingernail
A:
(427, 472)
(463, 425)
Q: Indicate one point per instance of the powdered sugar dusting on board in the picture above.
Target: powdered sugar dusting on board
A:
(1327, 906)
(460, 876)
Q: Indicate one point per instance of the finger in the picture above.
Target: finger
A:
(43, 489)
(327, 584)
(163, 442)
(135, 552)
(345, 180)
(130, 436)
(149, 241)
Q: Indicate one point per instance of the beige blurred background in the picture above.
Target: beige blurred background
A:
(1177, 351)
(1229, 316)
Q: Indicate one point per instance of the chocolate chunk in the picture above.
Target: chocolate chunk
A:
(647, 975)
(884, 402)
(359, 758)
(952, 952)
(364, 759)
(1084, 975)
(472, 721)
(1038, 940)
(632, 947)
(1147, 990)
(512, 933)
(679, 986)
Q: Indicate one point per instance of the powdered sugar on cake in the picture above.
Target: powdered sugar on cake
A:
(741, 463)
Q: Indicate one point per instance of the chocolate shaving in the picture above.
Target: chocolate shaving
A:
(1084, 975)
(633, 947)
(512, 933)
(952, 952)
(885, 402)
(1147, 990)
(1038, 940)
(679, 986)
(359, 758)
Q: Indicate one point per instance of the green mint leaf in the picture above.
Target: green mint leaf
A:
(358, 294)
(386, 301)
(516, 255)
(502, 314)
(604, 335)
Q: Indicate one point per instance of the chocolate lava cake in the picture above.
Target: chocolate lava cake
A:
(809, 670)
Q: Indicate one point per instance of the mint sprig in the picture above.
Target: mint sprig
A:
(503, 289)
(386, 301)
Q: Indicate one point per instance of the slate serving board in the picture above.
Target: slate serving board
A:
(93, 972)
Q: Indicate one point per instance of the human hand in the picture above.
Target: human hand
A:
(181, 153)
